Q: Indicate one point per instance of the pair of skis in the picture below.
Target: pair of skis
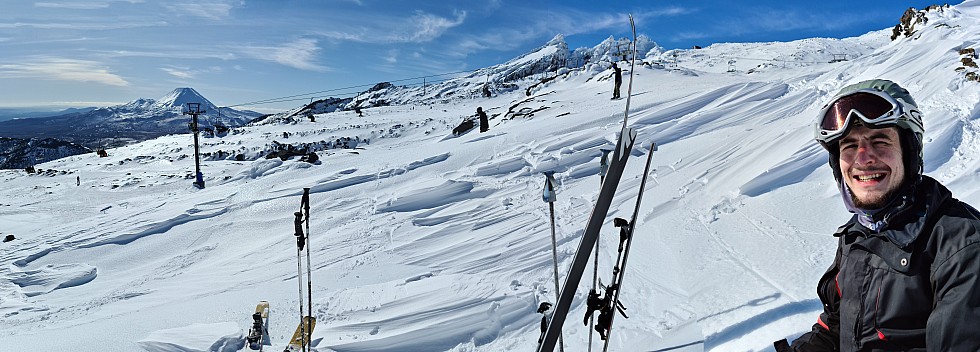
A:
(610, 303)
(258, 334)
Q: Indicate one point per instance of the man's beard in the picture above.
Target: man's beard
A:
(875, 202)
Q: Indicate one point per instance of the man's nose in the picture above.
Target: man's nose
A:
(865, 153)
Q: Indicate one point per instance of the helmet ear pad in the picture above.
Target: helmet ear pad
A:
(911, 155)
(834, 161)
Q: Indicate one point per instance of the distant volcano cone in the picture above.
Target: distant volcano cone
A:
(178, 99)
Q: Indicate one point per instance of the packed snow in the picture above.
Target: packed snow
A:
(423, 240)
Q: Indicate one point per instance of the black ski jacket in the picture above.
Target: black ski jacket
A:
(912, 287)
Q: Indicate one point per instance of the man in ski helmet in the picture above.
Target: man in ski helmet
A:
(905, 276)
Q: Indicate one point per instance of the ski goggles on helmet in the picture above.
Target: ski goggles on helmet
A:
(875, 109)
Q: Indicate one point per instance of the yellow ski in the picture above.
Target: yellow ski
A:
(258, 335)
(263, 308)
(302, 335)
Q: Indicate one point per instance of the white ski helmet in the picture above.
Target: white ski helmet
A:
(878, 103)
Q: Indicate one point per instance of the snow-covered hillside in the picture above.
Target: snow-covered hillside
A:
(533, 68)
(18, 153)
(427, 241)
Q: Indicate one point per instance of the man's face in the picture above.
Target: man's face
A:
(871, 164)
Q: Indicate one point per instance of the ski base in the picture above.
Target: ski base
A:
(301, 337)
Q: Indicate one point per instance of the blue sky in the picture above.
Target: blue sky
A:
(61, 53)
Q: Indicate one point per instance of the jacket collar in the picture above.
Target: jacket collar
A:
(903, 225)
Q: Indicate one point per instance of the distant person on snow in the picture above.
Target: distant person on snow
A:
(357, 109)
(484, 122)
(78, 180)
(619, 80)
(905, 276)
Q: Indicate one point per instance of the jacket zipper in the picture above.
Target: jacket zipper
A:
(881, 335)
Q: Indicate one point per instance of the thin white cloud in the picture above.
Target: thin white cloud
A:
(73, 5)
(683, 36)
(184, 72)
(83, 26)
(573, 22)
(424, 27)
(392, 57)
(177, 72)
(347, 36)
(666, 11)
(781, 21)
(62, 69)
(65, 104)
(418, 28)
(215, 10)
(171, 52)
(300, 54)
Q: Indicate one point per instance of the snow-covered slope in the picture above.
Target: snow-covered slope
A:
(427, 241)
(18, 153)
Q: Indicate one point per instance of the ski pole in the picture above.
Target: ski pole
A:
(305, 205)
(550, 197)
(300, 242)
(594, 293)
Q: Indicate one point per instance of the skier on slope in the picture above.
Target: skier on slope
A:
(905, 276)
(484, 121)
(618, 80)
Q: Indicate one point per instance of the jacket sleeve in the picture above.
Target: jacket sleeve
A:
(953, 326)
(823, 337)
(825, 334)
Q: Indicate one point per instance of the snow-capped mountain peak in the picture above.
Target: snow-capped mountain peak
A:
(178, 99)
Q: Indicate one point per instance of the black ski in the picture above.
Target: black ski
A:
(623, 149)
(629, 88)
(624, 146)
(610, 304)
